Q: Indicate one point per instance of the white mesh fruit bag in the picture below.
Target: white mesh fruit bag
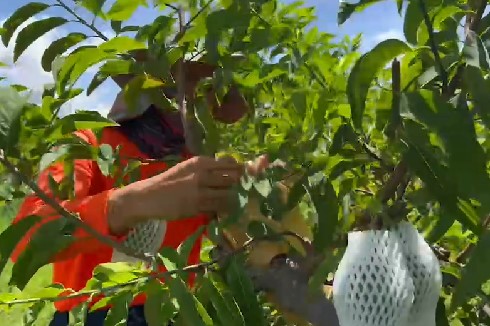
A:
(387, 278)
(424, 269)
(145, 238)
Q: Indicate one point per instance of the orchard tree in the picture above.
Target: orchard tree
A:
(360, 141)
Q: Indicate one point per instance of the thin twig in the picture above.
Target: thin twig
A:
(184, 28)
(66, 214)
(82, 21)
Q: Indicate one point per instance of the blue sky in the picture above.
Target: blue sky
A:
(378, 22)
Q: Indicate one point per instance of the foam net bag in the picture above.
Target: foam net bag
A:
(424, 269)
(372, 286)
(144, 238)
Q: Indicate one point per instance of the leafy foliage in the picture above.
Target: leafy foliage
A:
(361, 138)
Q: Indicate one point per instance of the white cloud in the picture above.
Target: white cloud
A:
(371, 41)
(27, 71)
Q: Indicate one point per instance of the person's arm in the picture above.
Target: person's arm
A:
(93, 210)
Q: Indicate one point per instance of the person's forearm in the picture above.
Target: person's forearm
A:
(138, 202)
(123, 209)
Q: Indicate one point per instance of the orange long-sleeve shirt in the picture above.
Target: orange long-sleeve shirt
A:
(73, 266)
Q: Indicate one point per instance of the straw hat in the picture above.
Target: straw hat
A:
(233, 106)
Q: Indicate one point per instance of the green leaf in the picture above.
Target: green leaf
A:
(159, 309)
(118, 314)
(242, 288)
(106, 159)
(412, 21)
(195, 314)
(59, 47)
(12, 235)
(469, 176)
(436, 178)
(20, 16)
(11, 108)
(77, 63)
(122, 44)
(65, 152)
(19, 88)
(170, 258)
(122, 10)
(364, 72)
(31, 316)
(119, 67)
(475, 273)
(185, 248)
(326, 203)
(226, 307)
(82, 120)
(203, 116)
(50, 291)
(414, 18)
(441, 315)
(478, 88)
(475, 54)
(46, 242)
(32, 32)
(115, 273)
(94, 6)
(347, 9)
(98, 79)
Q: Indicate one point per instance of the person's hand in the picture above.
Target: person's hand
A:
(197, 185)
(258, 166)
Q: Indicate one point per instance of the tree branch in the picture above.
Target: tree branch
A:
(184, 28)
(82, 21)
(195, 268)
(66, 214)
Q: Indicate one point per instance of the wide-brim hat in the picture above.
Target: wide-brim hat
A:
(196, 68)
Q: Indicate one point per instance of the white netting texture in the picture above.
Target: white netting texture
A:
(424, 269)
(371, 286)
(387, 278)
(145, 238)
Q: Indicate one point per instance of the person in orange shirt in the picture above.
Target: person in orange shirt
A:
(175, 200)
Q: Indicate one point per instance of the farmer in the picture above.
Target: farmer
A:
(180, 198)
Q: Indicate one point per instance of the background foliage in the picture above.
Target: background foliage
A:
(398, 132)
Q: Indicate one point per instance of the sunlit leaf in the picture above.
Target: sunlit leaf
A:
(475, 273)
(94, 6)
(124, 9)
